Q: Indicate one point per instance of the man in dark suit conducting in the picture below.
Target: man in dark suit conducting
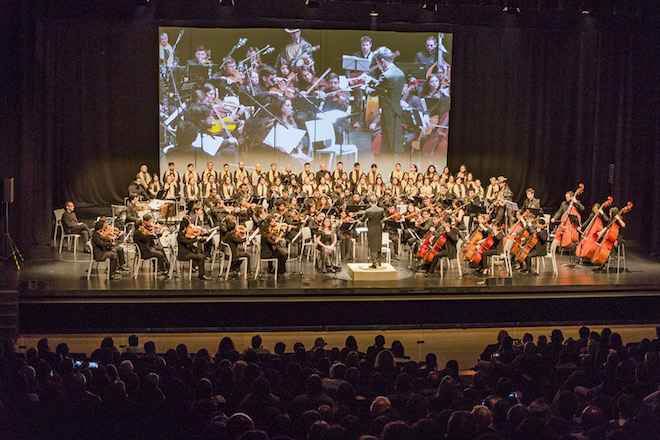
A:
(389, 89)
(374, 216)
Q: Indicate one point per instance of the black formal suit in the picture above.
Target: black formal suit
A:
(135, 189)
(534, 203)
(150, 247)
(270, 249)
(188, 250)
(71, 225)
(374, 216)
(103, 250)
(389, 90)
(231, 239)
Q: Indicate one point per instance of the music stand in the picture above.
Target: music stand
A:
(350, 62)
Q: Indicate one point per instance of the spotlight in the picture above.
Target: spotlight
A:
(510, 6)
(231, 3)
(373, 13)
(312, 3)
(430, 5)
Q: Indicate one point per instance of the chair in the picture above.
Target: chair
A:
(261, 261)
(385, 247)
(227, 254)
(218, 252)
(307, 243)
(117, 209)
(190, 267)
(93, 262)
(299, 258)
(504, 257)
(58, 213)
(459, 261)
(139, 262)
(620, 258)
(321, 130)
(552, 254)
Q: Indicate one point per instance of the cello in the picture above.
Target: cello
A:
(426, 245)
(567, 233)
(485, 245)
(437, 246)
(588, 245)
(608, 237)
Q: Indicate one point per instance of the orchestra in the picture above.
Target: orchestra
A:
(249, 99)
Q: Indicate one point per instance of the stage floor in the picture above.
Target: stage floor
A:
(57, 276)
(55, 296)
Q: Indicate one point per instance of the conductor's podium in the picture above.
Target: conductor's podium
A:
(364, 272)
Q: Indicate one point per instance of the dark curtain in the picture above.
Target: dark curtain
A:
(89, 92)
(548, 108)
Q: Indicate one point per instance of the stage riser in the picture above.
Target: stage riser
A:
(127, 316)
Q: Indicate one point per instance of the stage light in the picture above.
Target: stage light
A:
(231, 3)
(373, 13)
(430, 5)
(312, 3)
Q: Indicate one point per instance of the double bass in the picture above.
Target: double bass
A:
(609, 236)
(567, 233)
(588, 245)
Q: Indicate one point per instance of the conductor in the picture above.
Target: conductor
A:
(374, 216)
(389, 88)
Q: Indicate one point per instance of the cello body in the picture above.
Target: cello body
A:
(486, 245)
(524, 251)
(439, 243)
(425, 246)
(471, 246)
(589, 243)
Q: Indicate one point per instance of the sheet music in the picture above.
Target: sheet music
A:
(283, 138)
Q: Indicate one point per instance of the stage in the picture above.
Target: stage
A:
(54, 295)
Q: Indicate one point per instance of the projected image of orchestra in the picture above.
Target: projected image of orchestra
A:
(296, 96)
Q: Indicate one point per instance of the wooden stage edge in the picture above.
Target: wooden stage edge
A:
(373, 294)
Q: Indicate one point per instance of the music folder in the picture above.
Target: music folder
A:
(283, 138)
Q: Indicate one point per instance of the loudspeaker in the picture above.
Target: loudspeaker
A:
(492, 282)
(610, 174)
(8, 190)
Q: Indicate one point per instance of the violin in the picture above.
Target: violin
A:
(241, 232)
(589, 244)
(609, 236)
(567, 232)
(109, 233)
(193, 232)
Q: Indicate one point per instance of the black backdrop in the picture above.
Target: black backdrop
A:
(545, 106)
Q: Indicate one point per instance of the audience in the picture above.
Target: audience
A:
(594, 387)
